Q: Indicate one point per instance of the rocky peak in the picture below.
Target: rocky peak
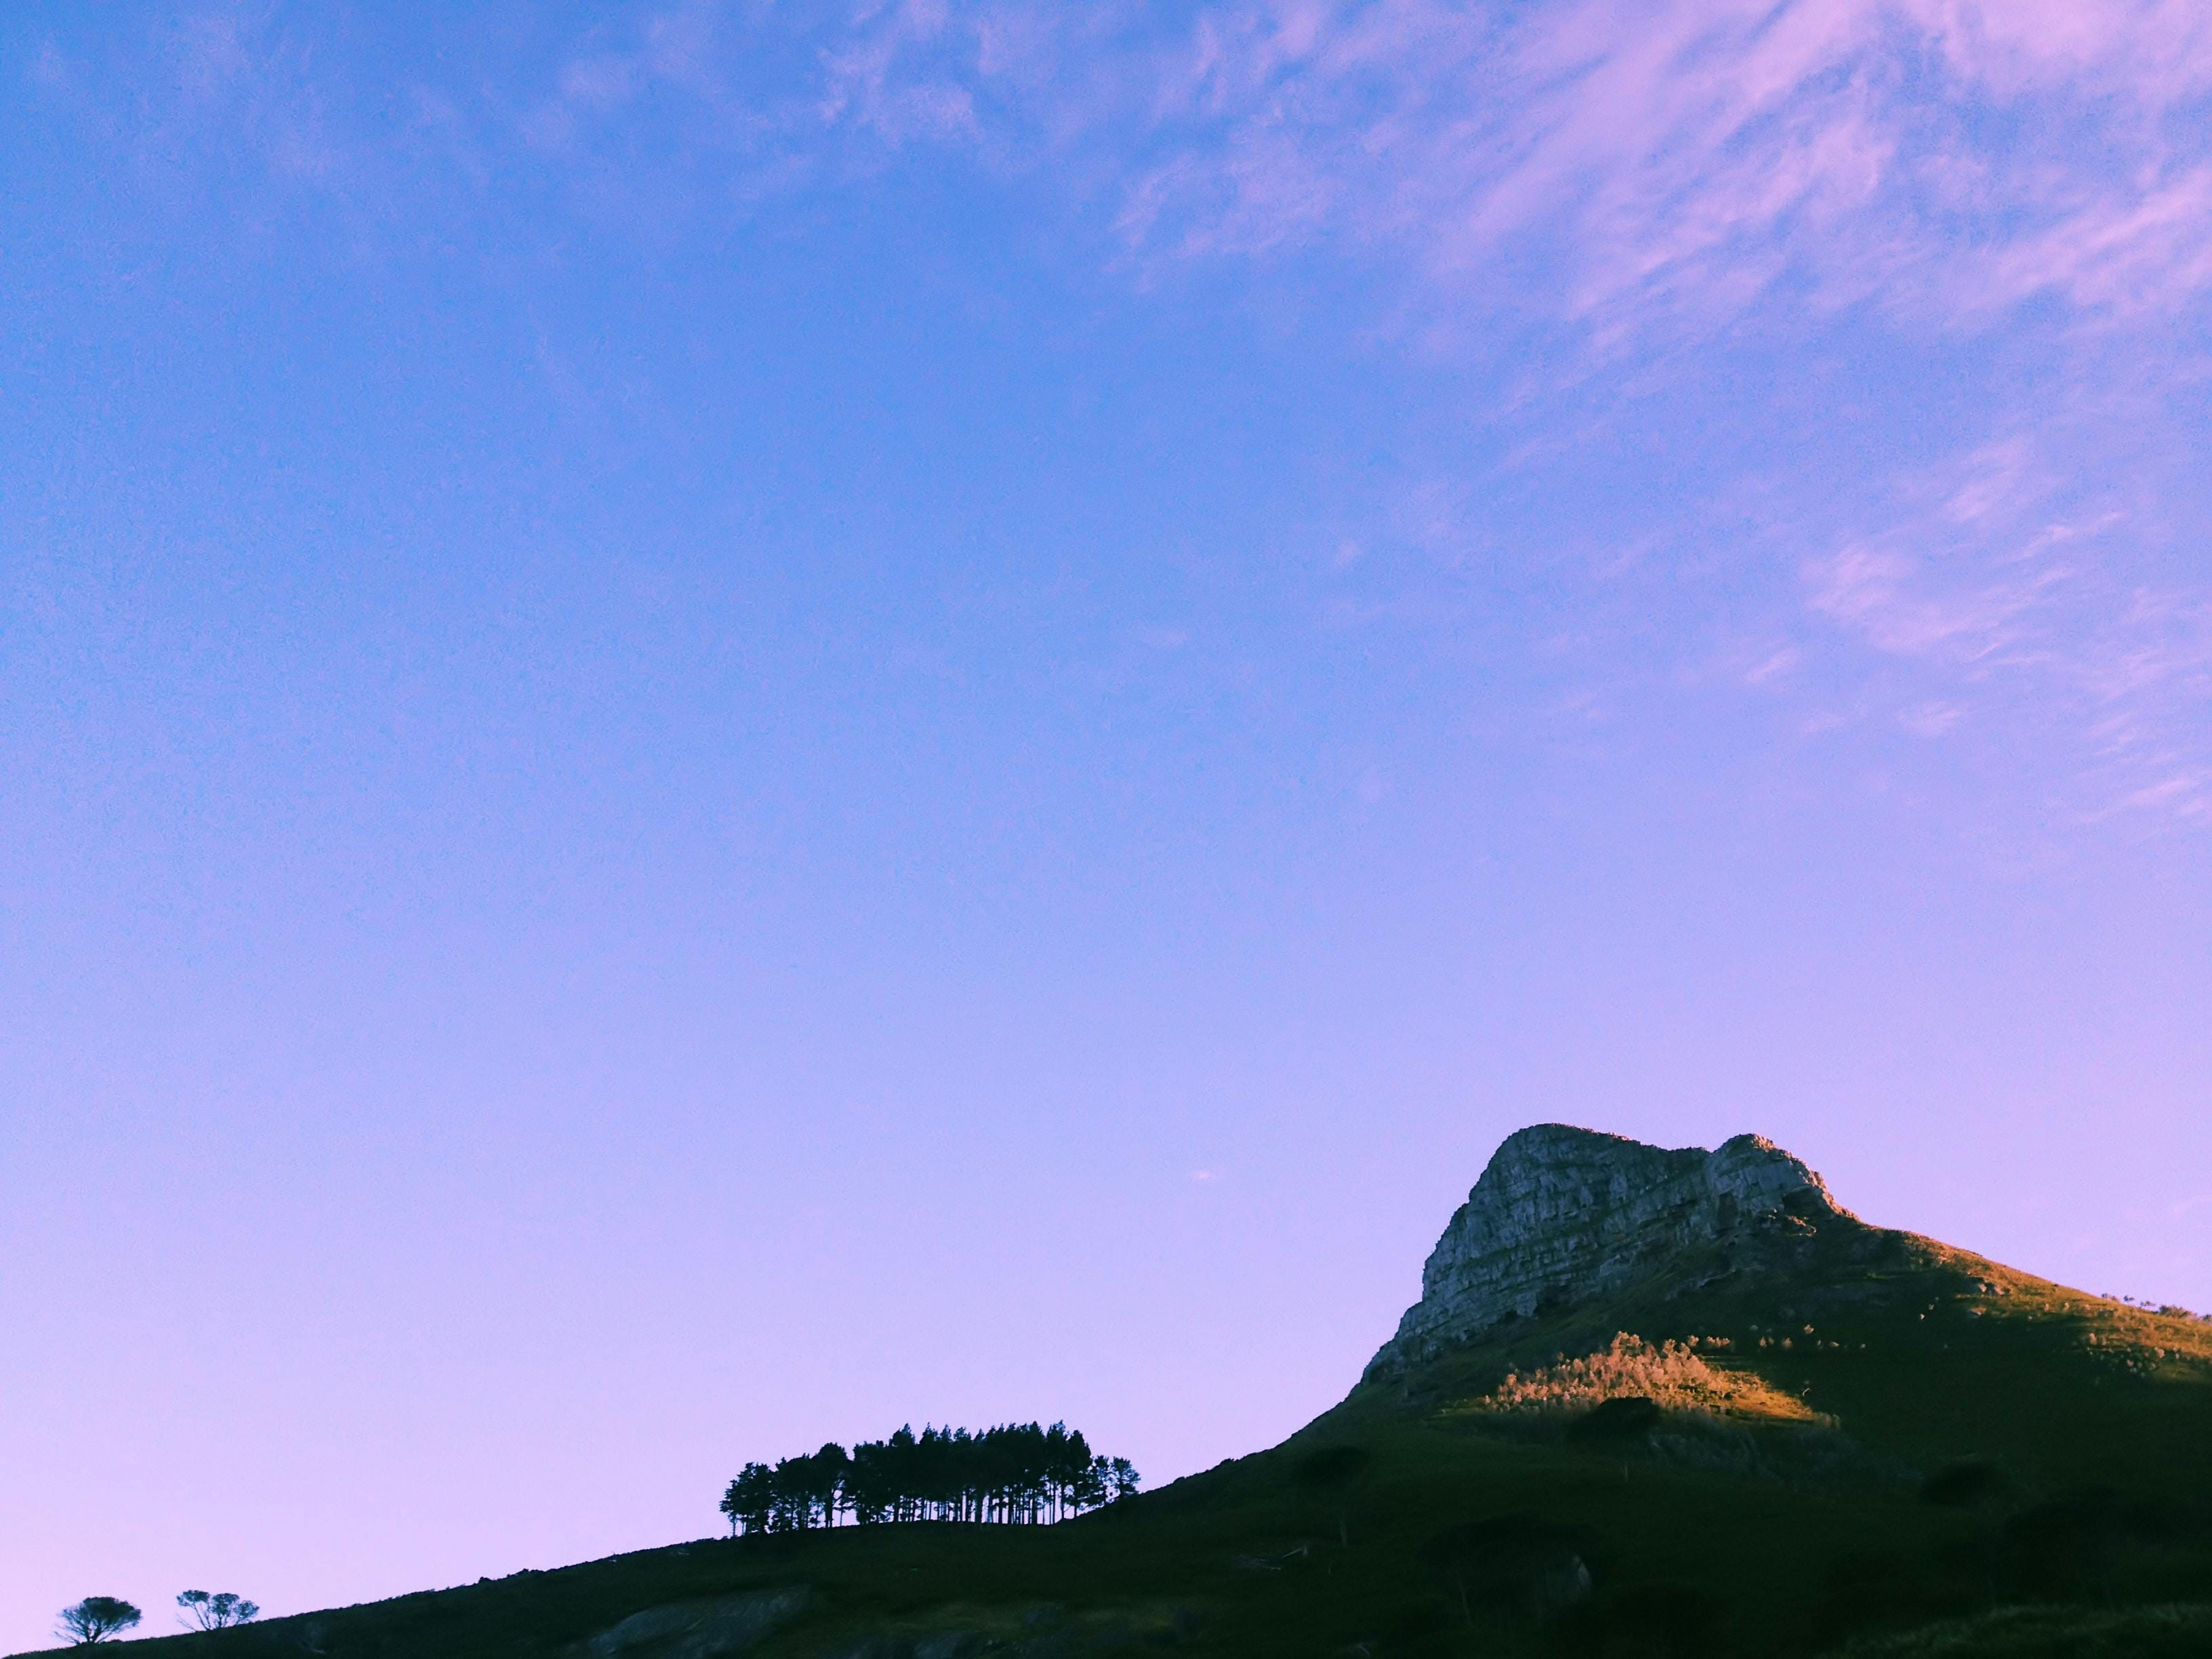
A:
(1562, 1215)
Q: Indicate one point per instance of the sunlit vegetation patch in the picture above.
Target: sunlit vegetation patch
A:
(2134, 1339)
(1673, 1374)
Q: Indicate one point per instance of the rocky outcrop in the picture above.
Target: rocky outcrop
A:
(715, 1627)
(1563, 1216)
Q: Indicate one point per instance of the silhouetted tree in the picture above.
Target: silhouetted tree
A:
(1093, 1485)
(751, 1499)
(95, 1618)
(218, 1612)
(1123, 1481)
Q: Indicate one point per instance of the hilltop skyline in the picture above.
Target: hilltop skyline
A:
(727, 724)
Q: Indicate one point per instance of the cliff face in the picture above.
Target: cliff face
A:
(1562, 1215)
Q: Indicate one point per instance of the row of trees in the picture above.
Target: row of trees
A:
(102, 1618)
(1017, 1473)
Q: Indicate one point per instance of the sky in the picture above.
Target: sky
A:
(722, 724)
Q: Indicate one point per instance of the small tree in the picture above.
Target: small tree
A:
(218, 1612)
(95, 1618)
(1330, 1474)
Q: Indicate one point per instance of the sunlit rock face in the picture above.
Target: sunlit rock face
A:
(1562, 1215)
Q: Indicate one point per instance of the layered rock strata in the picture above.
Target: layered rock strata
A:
(1561, 1216)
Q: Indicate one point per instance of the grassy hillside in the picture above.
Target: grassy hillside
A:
(1878, 1445)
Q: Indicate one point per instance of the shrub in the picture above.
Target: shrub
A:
(1965, 1483)
(1649, 1621)
(1517, 1563)
(1618, 1421)
(2073, 1544)
(1330, 1474)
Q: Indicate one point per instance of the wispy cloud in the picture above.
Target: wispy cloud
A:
(1646, 173)
(2146, 252)
(1622, 164)
(2024, 590)
(1628, 165)
(1639, 183)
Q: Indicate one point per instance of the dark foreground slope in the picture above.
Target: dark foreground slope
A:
(1877, 1444)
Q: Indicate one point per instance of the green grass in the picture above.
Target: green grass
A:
(1801, 1539)
(2066, 1633)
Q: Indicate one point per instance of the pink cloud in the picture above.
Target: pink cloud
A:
(2151, 52)
(1899, 605)
(1630, 164)
(2005, 586)
(1638, 175)
(2150, 252)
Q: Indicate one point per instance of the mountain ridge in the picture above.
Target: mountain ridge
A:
(1667, 1402)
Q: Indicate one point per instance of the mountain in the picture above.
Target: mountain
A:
(1563, 1216)
(1650, 1401)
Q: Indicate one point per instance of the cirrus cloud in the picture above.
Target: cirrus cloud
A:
(1602, 199)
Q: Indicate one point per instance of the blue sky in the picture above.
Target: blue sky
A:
(727, 724)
